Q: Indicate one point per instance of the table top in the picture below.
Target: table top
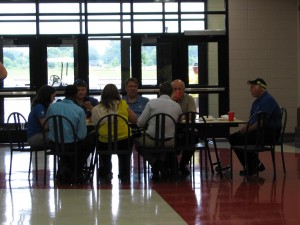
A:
(209, 121)
(220, 121)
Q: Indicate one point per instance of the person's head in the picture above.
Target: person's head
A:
(195, 68)
(45, 96)
(3, 72)
(82, 89)
(131, 86)
(166, 89)
(109, 95)
(178, 88)
(257, 87)
(71, 92)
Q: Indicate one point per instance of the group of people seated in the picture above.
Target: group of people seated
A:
(77, 106)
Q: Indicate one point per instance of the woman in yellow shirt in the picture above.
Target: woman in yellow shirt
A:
(111, 103)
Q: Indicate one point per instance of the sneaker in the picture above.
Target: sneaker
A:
(184, 170)
(155, 175)
(125, 179)
(261, 168)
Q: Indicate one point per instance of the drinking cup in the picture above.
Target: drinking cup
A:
(231, 116)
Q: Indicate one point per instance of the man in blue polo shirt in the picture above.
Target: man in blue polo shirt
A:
(135, 101)
(68, 108)
(264, 102)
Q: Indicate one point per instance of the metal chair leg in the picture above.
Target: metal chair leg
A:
(282, 158)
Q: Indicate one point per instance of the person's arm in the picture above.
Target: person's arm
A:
(252, 127)
(3, 72)
(132, 117)
(42, 120)
(191, 104)
(88, 105)
(95, 115)
(144, 116)
(81, 129)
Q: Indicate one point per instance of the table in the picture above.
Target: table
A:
(213, 125)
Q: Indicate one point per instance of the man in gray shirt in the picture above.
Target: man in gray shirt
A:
(187, 104)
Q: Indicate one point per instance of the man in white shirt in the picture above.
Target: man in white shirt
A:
(163, 104)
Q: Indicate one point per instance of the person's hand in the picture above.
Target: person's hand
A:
(176, 96)
(88, 105)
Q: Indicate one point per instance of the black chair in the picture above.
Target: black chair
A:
(279, 142)
(191, 135)
(161, 125)
(58, 148)
(109, 125)
(16, 126)
(261, 143)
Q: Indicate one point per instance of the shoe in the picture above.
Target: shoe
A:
(155, 172)
(217, 169)
(105, 178)
(260, 168)
(155, 175)
(125, 179)
(184, 170)
(164, 174)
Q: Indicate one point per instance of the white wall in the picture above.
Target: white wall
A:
(263, 42)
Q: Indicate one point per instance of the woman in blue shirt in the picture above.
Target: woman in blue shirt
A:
(45, 96)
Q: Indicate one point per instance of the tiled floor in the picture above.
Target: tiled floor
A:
(199, 201)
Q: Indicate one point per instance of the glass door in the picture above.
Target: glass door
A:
(195, 60)
(61, 61)
(16, 59)
(32, 62)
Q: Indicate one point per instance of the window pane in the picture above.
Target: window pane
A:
(192, 7)
(59, 7)
(147, 7)
(147, 27)
(193, 64)
(126, 8)
(192, 25)
(171, 7)
(17, 27)
(17, 8)
(103, 7)
(104, 63)
(16, 61)
(20, 104)
(171, 27)
(60, 66)
(149, 65)
(126, 27)
(104, 27)
(23, 26)
(59, 28)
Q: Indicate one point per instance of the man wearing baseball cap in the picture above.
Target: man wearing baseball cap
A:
(266, 103)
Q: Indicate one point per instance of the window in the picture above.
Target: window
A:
(16, 61)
